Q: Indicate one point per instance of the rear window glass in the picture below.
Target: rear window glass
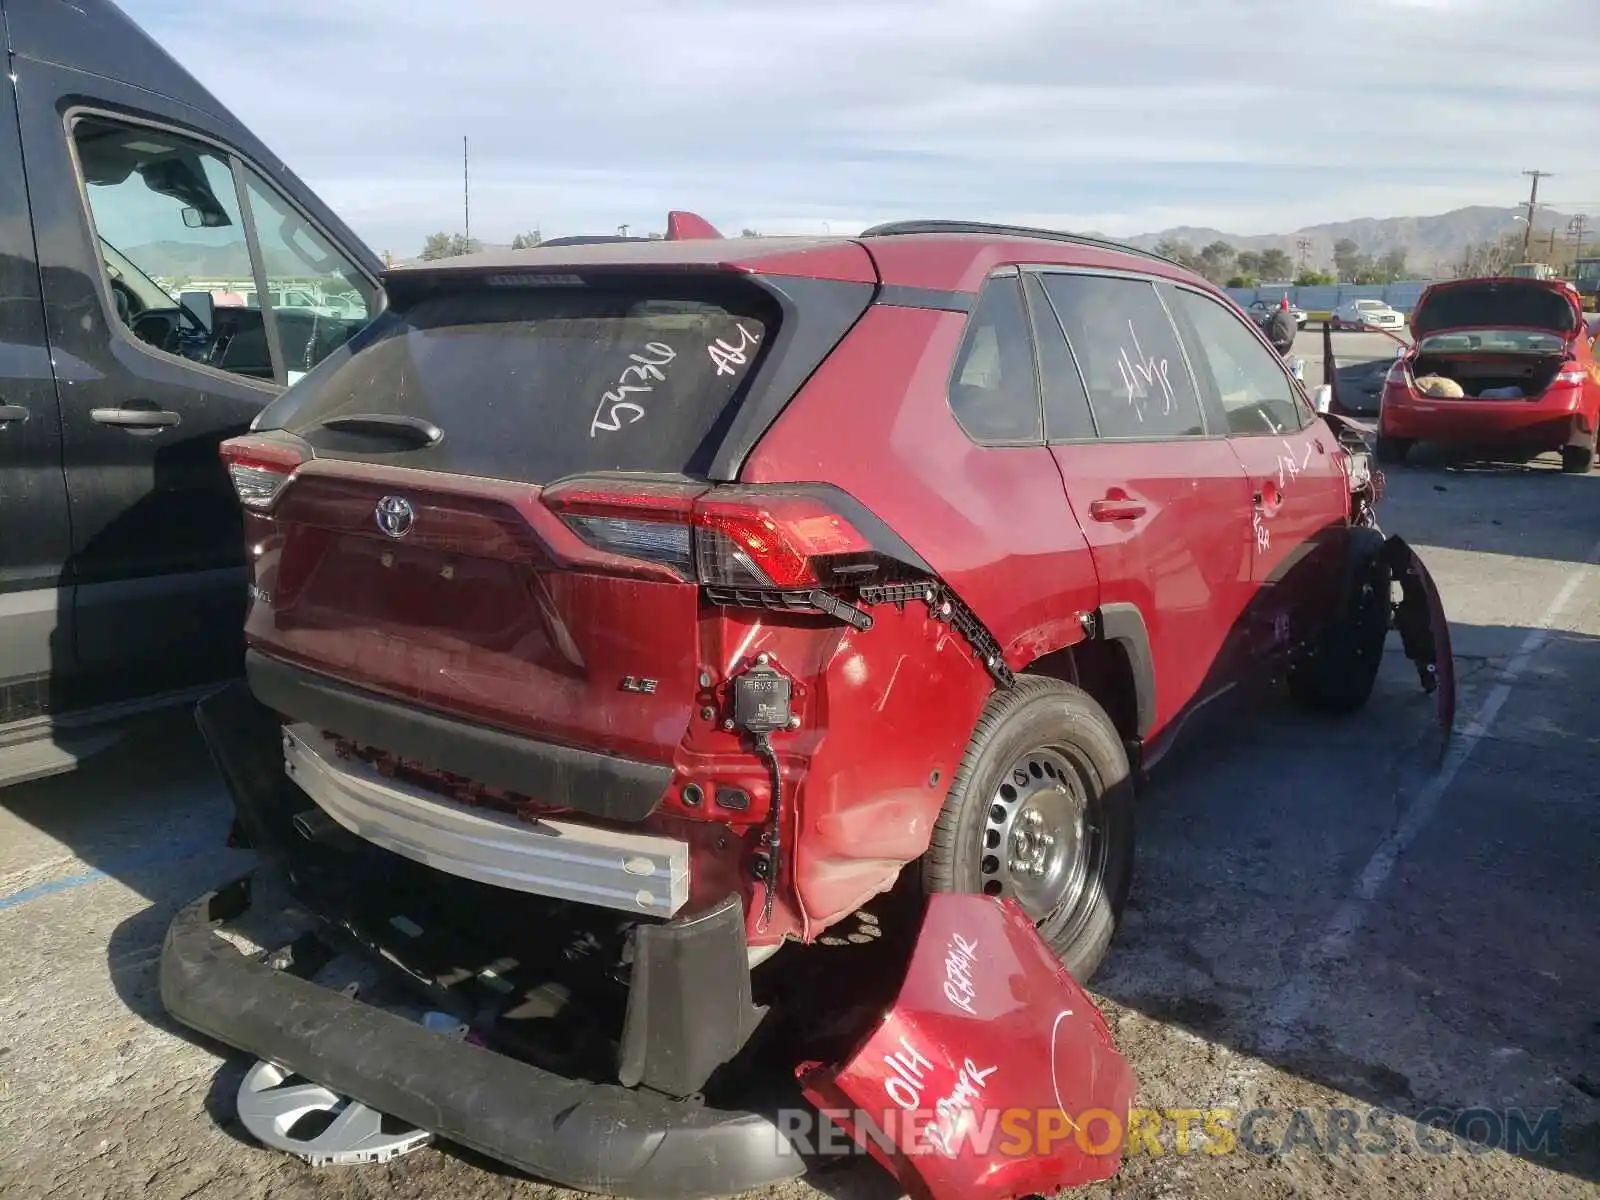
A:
(1509, 341)
(535, 383)
(1487, 305)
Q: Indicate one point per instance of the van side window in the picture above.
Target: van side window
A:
(1255, 391)
(175, 249)
(167, 217)
(1129, 354)
(994, 390)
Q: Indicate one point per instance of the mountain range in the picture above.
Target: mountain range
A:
(1429, 242)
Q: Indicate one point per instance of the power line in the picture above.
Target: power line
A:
(1533, 204)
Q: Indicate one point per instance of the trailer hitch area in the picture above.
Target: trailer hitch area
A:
(1424, 629)
(993, 1075)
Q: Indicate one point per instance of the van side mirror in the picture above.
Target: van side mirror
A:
(1322, 398)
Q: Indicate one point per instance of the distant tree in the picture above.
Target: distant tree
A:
(527, 241)
(1179, 252)
(1242, 281)
(1348, 259)
(1216, 261)
(1315, 279)
(749, 232)
(1276, 265)
(449, 245)
(1247, 262)
(1392, 266)
(1490, 258)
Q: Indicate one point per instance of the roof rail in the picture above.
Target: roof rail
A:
(893, 228)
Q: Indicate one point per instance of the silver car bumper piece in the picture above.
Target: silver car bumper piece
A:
(634, 872)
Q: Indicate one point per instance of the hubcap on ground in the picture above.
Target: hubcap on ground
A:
(1035, 837)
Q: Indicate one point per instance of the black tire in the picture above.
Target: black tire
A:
(1059, 740)
(1338, 676)
(1577, 460)
(1393, 449)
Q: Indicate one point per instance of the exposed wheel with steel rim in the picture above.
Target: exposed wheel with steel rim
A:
(1041, 812)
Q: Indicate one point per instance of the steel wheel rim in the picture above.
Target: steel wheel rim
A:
(1036, 846)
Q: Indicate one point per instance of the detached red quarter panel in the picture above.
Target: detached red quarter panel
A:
(994, 1075)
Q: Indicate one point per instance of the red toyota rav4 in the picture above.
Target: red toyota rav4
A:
(1508, 362)
(624, 613)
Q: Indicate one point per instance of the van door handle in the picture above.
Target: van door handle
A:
(135, 418)
(12, 412)
(1115, 510)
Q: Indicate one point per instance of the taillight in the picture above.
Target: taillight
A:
(1398, 375)
(743, 538)
(1572, 377)
(259, 467)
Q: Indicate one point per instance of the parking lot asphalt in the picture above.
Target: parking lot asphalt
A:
(1326, 917)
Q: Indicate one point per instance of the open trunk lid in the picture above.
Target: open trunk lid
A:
(482, 505)
(1549, 305)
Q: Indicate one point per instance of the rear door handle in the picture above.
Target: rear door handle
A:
(12, 412)
(135, 418)
(1115, 510)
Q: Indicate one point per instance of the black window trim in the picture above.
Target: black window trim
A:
(1297, 391)
(1013, 273)
(1153, 280)
(74, 113)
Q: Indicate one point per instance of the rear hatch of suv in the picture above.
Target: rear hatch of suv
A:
(505, 500)
(1495, 339)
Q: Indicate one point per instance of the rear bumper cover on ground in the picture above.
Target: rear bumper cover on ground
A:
(601, 1138)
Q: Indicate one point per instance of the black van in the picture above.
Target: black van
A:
(162, 278)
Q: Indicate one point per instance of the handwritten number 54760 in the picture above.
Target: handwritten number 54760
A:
(642, 369)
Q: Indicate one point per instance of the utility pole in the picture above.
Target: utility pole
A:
(1533, 204)
(1305, 251)
(622, 231)
(466, 194)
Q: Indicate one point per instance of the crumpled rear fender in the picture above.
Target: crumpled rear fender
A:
(992, 1076)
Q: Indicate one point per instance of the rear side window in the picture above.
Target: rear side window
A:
(1254, 390)
(1129, 356)
(536, 383)
(994, 392)
(1066, 404)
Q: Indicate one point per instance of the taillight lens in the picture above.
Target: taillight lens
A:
(259, 467)
(1572, 377)
(766, 539)
(1398, 375)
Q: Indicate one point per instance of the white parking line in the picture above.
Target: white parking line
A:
(1295, 996)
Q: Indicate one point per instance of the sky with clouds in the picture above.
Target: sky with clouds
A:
(1125, 116)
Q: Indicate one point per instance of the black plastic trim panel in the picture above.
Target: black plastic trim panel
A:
(618, 789)
(903, 296)
(595, 1137)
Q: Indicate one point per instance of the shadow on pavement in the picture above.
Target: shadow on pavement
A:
(1465, 979)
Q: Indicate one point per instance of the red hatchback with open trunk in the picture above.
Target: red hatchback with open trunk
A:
(726, 643)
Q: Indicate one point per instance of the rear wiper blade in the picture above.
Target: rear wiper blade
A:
(387, 426)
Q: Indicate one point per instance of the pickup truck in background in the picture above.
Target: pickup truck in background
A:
(122, 562)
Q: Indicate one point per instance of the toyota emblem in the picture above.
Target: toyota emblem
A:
(395, 516)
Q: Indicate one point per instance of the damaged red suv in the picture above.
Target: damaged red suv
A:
(672, 650)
